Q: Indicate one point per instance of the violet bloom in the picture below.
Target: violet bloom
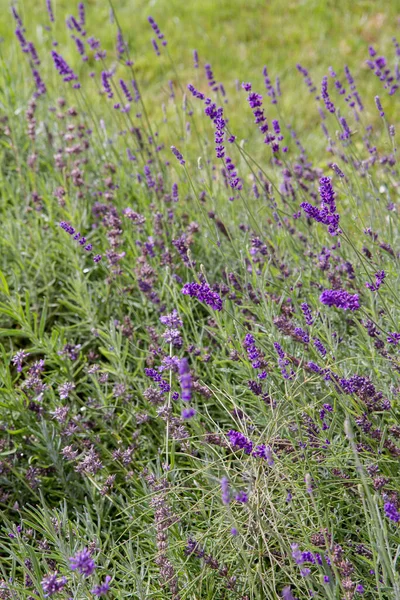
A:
(303, 335)
(82, 562)
(105, 77)
(326, 213)
(391, 512)
(178, 155)
(307, 78)
(307, 313)
(195, 59)
(185, 379)
(393, 338)
(121, 45)
(157, 31)
(188, 413)
(340, 299)
(125, 90)
(103, 588)
(325, 95)
(265, 452)
(64, 69)
(203, 293)
(379, 106)
(242, 497)
(50, 10)
(155, 46)
(171, 320)
(225, 490)
(81, 12)
(238, 440)
(379, 278)
(210, 78)
(287, 594)
(18, 359)
(319, 346)
(51, 585)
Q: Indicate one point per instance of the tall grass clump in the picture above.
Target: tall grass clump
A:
(199, 310)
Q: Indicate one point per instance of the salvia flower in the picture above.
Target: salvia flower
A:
(340, 299)
(103, 588)
(52, 585)
(203, 293)
(195, 59)
(178, 155)
(50, 10)
(82, 562)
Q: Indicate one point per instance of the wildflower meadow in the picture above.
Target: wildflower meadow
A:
(199, 300)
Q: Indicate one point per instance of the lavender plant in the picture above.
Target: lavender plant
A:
(199, 383)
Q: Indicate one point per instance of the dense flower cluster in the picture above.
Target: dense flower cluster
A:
(203, 293)
(340, 299)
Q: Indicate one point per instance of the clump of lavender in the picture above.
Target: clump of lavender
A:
(204, 294)
(340, 299)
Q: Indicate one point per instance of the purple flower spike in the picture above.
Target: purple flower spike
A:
(238, 440)
(185, 380)
(51, 585)
(50, 10)
(203, 293)
(391, 512)
(63, 68)
(82, 562)
(178, 155)
(103, 588)
(379, 106)
(340, 299)
(225, 490)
